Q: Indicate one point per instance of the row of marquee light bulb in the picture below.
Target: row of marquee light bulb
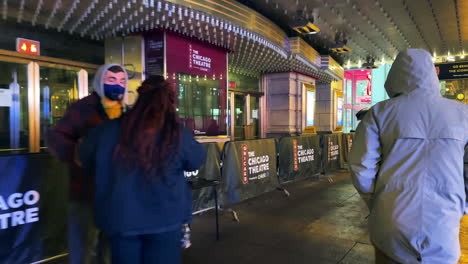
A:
(197, 78)
(435, 59)
(166, 11)
(146, 14)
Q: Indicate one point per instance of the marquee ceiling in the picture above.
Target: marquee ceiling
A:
(378, 28)
(252, 54)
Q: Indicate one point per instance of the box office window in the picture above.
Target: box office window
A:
(201, 105)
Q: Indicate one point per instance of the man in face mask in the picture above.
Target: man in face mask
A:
(106, 102)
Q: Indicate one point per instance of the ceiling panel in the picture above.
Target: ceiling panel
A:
(378, 28)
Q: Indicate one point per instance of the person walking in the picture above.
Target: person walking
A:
(407, 163)
(86, 244)
(142, 199)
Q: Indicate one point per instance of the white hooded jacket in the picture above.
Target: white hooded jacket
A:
(407, 156)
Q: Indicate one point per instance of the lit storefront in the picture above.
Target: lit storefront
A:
(358, 95)
(363, 89)
(454, 80)
(199, 71)
(35, 92)
(245, 101)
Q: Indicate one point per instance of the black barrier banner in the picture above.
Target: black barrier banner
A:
(33, 208)
(347, 144)
(346, 141)
(331, 151)
(249, 169)
(203, 198)
(299, 157)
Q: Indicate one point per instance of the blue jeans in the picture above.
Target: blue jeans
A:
(160, 248)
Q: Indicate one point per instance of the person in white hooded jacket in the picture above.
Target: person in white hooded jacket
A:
(407, 163)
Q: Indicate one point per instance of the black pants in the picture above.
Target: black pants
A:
(86, 244)
(161, 248)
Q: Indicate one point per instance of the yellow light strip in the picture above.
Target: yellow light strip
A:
(44, 59)
(49, 259)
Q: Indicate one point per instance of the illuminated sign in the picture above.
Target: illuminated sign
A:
(28, 46)
(310, 108)
(451, 71)
(197, 61)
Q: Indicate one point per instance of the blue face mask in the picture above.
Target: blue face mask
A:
(114, 92)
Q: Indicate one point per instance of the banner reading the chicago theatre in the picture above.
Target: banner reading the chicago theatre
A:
(299, 157)
(33, 208)
(331, 155)
(249, 169)
(346, 144)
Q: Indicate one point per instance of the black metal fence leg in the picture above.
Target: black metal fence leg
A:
(216, 212)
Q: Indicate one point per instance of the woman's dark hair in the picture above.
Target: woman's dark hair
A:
(149, 132)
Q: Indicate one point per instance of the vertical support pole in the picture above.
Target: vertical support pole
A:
(82, 84)
(34, 106)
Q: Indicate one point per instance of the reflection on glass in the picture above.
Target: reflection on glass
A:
(14, 121)
(349, 91)
(240, 116)
(455, 90)
(310, 120)
(255, 115)
(202, 105)
(59, 88)
(339, 112)
(348, 120)
(90, 82)
(363, 91)
(239, 108)
(228, 118)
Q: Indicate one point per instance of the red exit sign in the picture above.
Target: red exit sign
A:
(28, 46)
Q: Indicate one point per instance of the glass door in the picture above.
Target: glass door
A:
(58, 89)
(14, 114)
(255, 116)
(35, 92)
(240, 116)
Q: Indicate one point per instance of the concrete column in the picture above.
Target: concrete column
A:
(285, 103)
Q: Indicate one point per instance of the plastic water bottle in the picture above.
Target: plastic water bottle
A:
(186, 236)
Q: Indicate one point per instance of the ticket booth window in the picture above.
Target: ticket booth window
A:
(200, 106)
(339, 111)
(310, 108)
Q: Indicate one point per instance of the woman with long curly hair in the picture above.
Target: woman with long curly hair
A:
(141, 196)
